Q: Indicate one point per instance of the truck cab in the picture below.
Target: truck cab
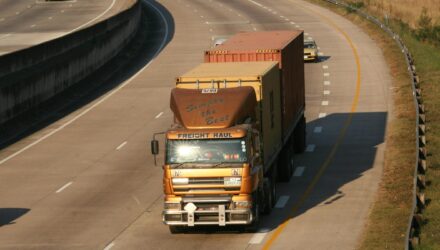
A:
(210, 176)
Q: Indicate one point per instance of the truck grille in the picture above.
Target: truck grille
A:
(205, 185)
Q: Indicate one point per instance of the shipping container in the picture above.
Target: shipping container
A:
(264, 77)
(285, 47)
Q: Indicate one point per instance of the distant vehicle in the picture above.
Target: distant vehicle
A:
(310, 50)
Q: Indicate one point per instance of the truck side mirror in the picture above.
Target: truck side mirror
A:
(155, 147)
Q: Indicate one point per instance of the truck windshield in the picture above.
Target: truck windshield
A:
(206, 151)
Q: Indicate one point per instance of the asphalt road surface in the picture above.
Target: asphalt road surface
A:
(88, 181)
(24, 23)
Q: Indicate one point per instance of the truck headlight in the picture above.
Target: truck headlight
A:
(242, 204)
(232, 181)
(172, 206)
(180, 181)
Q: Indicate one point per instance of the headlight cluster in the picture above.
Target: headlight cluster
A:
(242, 204)
(172, 206)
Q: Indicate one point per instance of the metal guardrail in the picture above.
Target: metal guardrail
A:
(419, 183)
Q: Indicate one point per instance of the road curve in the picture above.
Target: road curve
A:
(26, 23)
(92, 184)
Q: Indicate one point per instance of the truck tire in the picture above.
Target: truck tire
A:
(177, 229)
(285, 164)
(268, 200)
(299, 135)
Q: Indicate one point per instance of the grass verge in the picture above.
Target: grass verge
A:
(387, 223)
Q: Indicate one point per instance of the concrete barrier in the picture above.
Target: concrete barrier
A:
(34, 75)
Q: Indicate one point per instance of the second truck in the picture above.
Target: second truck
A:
(236, 128)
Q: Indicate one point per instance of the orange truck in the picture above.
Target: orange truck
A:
(227, 146)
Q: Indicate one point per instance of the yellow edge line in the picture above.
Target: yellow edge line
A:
(341, 136)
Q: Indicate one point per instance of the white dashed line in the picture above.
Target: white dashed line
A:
(122, 145)
(326, 83)
(282, 16)
(96, 18)
(325, 66)
(324, 103)
(50, 18)
(62, 11)
(2, 19)
(5, 35)
(109, 246)
(201, 16)
(255, 29)
(322, 115)
(17, 13)
(317, 130)
(299, 171)
(161, 113)
(257, 238)
(210, 30)
(292, 22)
(297, 26)
(326, 92)
(306, 34)
(64, 187)
(33, 25)
(282, 201)
(326, 74)
(310, 148)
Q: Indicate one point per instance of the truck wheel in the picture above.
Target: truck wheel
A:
(177, 229)
(268, 196)
(299, 135)
(285, 166)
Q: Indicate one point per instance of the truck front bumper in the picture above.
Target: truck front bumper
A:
(220, 217)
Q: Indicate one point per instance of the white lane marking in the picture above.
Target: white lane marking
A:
(286, 19)
(255, 29)
(282, 201)
(326, 83)
(326, 92)
(210, 30)
(167, 33)
(158, 115)
(319, 48)
(96, 18)
(326, 74)
(310, 148)
(122, 145)
(257, 238)
(297, 26)
(259, 4)
(33, 25)
(317, 130)
(136, 199)
(62, 11)
(50, 18)
(275, 12)
(325, 66)
(2, 19)
(299, 171)
(202, 16)
(322, 115)
(109, 246)
(306, 34)
(292, 22)
(282, 16)
(324, 103)
(63, 187)
(17, 13)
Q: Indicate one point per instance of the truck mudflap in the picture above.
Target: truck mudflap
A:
(220, 216)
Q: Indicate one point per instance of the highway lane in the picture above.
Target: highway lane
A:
(29, 22)
(92, 184)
